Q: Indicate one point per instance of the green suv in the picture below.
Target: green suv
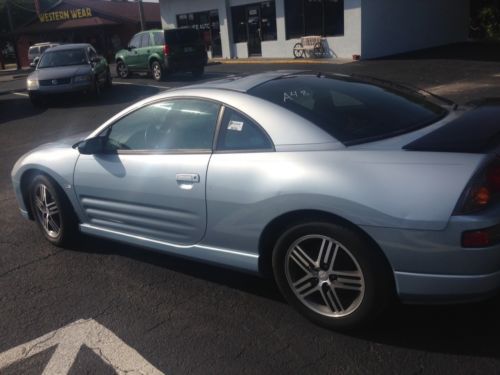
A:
(161, 52)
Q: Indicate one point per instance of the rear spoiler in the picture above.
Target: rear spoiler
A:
(476, 131)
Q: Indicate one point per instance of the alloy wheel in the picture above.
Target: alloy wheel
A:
(47, 211)
(122, 70)
(324, 275)
(156, 71)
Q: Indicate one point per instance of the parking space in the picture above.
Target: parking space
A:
(177, 316)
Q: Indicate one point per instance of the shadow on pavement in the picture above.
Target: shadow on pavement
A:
(469, 329)
(213, 273)
(475, 51)
(17, 108)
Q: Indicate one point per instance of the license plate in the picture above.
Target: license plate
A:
(188, 49)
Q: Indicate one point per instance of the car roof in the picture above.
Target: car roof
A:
(43, 44)
(70, 46)
(243, 83)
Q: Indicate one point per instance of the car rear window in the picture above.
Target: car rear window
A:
(352, 111)
(182, 36)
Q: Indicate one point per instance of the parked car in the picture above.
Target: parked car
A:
(161, 52)
(68, 68)
(348, 190)
(36, 50)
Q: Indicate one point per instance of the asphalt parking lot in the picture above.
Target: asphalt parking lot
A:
(143, 312)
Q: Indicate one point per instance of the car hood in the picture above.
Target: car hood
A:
(60, 72)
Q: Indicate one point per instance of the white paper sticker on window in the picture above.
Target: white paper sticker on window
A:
(235, 125)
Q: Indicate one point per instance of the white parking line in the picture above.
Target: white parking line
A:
(20, 93)
(140, 84)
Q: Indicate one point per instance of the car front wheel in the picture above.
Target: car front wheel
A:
(52, 211)
(332, 275)
(122, 70)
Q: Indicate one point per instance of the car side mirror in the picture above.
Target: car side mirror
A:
(130, 48)
(90, 146)
(34, 62)
(95, 60)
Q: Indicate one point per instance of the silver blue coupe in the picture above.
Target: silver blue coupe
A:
(350, 191)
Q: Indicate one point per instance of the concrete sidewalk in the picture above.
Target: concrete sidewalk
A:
(11, 74)
(264, 60)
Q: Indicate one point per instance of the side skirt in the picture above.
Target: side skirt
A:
(244, 261)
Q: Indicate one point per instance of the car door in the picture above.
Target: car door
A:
(149, 180)
(144, 51)
(131, 58)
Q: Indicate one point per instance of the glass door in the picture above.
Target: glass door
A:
(254, 31)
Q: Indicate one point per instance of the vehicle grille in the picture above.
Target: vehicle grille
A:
(54, 82)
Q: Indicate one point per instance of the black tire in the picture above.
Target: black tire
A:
(109, 80)
(198, 72)
(96, 89)
(157, 71)
(298, 50)
(36, 100)
(122, 69)
(64, 218)
(334, 301)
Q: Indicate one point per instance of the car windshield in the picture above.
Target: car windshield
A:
(67, 57)
(350, 110)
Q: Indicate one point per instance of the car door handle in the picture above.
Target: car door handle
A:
(188, 177)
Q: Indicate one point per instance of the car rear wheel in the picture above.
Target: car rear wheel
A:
(122, 70)
(52, 211)
(157, 71)
(331, 274)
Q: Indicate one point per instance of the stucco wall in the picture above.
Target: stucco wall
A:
(396, 26)
(341, 46)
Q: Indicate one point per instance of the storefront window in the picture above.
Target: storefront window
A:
(208, 25)
(314, 17)
(263, 13)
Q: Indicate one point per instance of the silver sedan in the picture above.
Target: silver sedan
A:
(348, 190)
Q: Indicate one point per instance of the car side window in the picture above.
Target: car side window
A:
(181, 124)
(136, 41)
(238, 132)
(145, 40)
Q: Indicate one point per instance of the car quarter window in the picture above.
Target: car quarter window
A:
(238, 133)
(181, 124)
(158, 39)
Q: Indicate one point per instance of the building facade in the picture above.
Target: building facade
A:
(369, 28)
(107, 25)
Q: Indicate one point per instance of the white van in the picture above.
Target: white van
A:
(36, 50)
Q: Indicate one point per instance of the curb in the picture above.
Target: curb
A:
(280, 61)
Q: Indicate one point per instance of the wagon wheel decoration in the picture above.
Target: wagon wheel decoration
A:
(298, 50)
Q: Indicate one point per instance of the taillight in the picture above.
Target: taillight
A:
(166, 49)
(483, 189)
(493, 176)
